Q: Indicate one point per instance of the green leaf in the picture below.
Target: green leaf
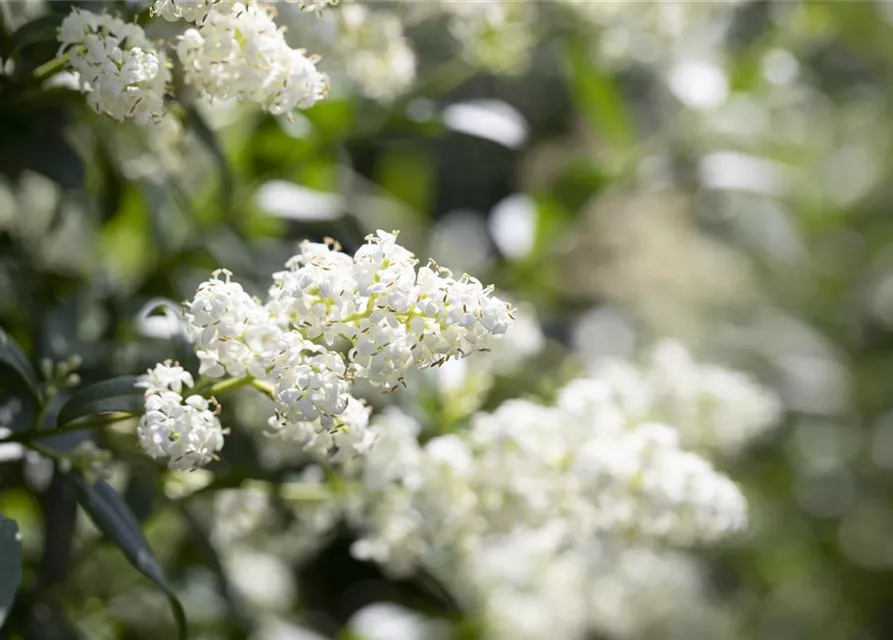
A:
(113, 517)
(43, 29)
(597, 96)
(59, 507)
(12, 356)
(10, 564)
(118, 395)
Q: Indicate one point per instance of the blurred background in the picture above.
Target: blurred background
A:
(714, 172)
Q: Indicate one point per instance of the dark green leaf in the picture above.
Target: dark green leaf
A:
(118, 395)
(12, 356)
(140, 495)
(10, 564)
(43, 29)
(113, 517)
(32, 136)
(59, 506)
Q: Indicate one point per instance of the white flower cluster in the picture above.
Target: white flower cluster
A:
(235, 50)
(529, 586)
(188, 10)
(581, 463)
(91, 461)
(388, 315)
(186, 431)
(238, 51)
(275, 525)
(119, 69)
(537, 512)
(714, 408)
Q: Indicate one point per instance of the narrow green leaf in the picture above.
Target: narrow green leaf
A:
(597, 96)
(113, 517)
(118, 395)
(10, 564)
(43, 29)
(12, 356)
(59, 506)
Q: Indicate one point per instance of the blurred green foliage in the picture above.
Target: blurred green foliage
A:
(84, 247)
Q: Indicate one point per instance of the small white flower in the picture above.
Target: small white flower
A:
(188, 10)
(119, 69)
(187, 432)
(241, 53)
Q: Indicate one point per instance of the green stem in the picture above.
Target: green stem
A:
(264, 387)
(44, 451)
(51, 67)
(227, 385)
(201, 385)
(356, 316)
(41, 414)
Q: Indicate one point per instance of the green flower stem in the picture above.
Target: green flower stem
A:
(227, 385)
(44, 451)
(264, 387)
(51, 67)
(232, 383)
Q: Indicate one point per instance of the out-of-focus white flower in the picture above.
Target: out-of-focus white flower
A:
(273, 628)
(260, 577)
(148, 153)
(630, 590)
(496, 35)
(93, 463)
(527, 465)
(315, 6)
(527, 586)
(386, 621)
(181, 484)
(714, 408)
(241, 53)
(185, 431)
(188, 10)
(119, 69)
(533, 514)
(377, 56)
(246, 517)
(20, 12)
(641, 32)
